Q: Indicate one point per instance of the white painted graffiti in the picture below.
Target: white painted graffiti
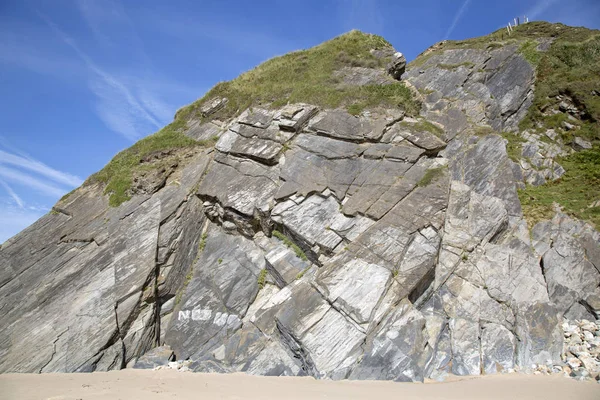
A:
(200, 314)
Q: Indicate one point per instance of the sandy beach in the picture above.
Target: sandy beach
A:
(169, 384)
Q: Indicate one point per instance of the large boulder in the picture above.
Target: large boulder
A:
(397, 66)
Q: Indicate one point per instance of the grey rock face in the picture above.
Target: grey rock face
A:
(498, 347)
(213, 106)
(94, 270)
(398, 350)
(315, 242)
(355, 287)
(485, 167)
(540, 335)
(282, 262)
(240, 184)
(581, 144)
(159, 356)
(223, 284)
(569, 251)
(477, 83)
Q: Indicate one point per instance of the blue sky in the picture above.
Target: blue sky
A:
(83, 79)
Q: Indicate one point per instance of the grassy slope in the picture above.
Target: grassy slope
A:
(570, 67)
(575, 191)
(307, 76)
(117, 174)
(302, 76)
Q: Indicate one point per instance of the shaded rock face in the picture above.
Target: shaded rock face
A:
(313, 242)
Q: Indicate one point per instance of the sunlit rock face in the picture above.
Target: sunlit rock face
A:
(311, 241)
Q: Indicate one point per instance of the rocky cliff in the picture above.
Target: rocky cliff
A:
(330, 214)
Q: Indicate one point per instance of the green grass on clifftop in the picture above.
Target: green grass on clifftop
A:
(302, 76)
(308, 76)
(117, 174)
(571, 67)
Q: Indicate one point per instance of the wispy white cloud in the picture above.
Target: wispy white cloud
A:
(111, 25)
(20, 54)
(539, 9)
(96, 14)
(457, 18)
(23, 179)
(119, 106)
(28, 173)
(40, 168)
(12, 194)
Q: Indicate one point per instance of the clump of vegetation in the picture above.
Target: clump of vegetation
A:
(262, 278)
(529, 50)
(301, 273)
(425, 126)
(355, 109)
(307, 76)
(483, 130)
(67, 195)
(288, 242)
(571, 67)
(431, 175)
(514, 145)
(118, 173)
(467, 64)
(202, 242)
(576, 191)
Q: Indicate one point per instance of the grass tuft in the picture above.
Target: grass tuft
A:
(202, 242)
(355, 109)
(529, 50)
(288, 242)
(431, 175)
(425, 126)
(514, 145)
(262, 278)
(467, 64)
(301, 273)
